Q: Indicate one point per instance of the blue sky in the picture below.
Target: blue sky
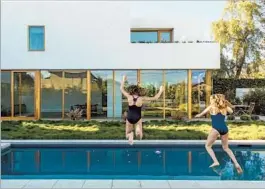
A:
(195, 14)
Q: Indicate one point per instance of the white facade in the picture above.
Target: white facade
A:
(92, 35)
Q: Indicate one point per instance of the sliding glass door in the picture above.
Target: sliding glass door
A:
(24, 94)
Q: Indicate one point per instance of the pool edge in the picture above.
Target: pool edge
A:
(247, 143)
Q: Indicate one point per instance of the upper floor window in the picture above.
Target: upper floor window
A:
(36, 41)
(151, 36)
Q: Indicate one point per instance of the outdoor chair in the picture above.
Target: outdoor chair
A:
(247, 111)
(251, 108)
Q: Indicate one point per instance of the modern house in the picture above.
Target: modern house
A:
(59, 55)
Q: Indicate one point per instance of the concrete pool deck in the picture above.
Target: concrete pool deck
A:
(70, 183)
(169, 184)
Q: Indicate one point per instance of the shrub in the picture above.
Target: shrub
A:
(75, 114)
(254, 117)
(231, 117)
(179, 115)
(245, 117)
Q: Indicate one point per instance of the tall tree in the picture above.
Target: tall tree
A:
(240, 34)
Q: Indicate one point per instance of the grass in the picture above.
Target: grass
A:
(194, 130)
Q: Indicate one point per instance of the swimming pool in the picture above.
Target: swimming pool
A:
(159, 163)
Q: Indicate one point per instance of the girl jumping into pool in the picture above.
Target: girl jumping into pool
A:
(135, 102)
(218, 109)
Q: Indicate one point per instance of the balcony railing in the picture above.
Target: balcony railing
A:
(197, 41)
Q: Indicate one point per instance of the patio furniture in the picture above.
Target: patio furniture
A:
(251, 108)
(244, 109)
(240, 109)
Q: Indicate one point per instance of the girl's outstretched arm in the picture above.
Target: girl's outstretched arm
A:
(156, 96)
(122, 87)
(229, 110)
(204, 112)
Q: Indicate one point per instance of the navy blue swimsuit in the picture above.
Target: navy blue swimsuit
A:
(218, 123)
(134, 113)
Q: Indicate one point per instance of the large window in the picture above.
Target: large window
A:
(51, 94)
(121, 102)
(75, 92)
(151, 80)
(36, 41)
(151, 36)
(102, 94)
(24, 94)
(198, 91)
(5, 94)
(176, 93)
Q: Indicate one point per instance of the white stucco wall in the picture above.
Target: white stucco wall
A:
(92, 35)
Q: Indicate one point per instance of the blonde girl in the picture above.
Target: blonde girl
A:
(218, 109)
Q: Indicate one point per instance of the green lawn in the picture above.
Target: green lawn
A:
(116, 130)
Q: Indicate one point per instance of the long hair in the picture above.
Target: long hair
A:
(220, 103)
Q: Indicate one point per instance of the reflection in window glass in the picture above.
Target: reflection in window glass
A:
(102, 94)
(75, 92)
(121, 102)
(51, 94)
(151, 36)
(198, 91)
(24, 96)
(36, 38)
(176, 93)
(5, 94)
(165, 36)
(151, 80)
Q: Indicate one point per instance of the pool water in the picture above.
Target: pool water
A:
(129, 163)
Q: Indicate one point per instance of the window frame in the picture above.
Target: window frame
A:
(44, 38)
(158, 30)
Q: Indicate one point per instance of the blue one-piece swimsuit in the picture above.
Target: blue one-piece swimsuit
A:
(218, 123)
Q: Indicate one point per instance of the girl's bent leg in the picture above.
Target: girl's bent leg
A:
(210, 140)
(139, 129)
(129, 132)
(229, 152)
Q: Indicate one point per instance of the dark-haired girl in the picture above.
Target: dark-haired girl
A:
(135, 102)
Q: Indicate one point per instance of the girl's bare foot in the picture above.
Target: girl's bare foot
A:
(239, 169)
(130, 138)
(214, 164)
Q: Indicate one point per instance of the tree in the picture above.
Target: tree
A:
(240, 34)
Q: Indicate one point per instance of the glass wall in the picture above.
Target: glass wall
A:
(51, 94)
(75, 93)
(198, 91)
(24, 94)
(62, 91)
(151, 80)
(6, 94)
(121, 103)
(102, 94)
(176, 93)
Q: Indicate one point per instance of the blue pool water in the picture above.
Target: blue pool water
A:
(129, 163)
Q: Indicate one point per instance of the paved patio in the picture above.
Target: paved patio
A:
(129, 184)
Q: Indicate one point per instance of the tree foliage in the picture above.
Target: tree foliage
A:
(241, 35)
